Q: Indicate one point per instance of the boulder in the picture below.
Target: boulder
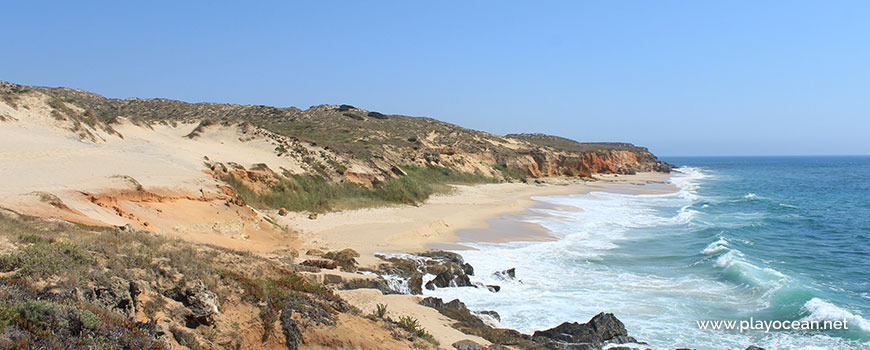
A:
(491, 313)
(448, 268)
(345, 258)
(323, 264)
(493, 288)
(202, 303)
(753, 347)
(602, 329)
(508, 274)
(282, 212)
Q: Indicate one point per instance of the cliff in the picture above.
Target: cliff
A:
(342, 142)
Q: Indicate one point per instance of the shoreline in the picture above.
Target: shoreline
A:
(483, 213)
(468, 214)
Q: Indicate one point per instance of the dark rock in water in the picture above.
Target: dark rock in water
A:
(467, 345)
(491, 313)
(449, 277)
(415, 283)
(753, 347)
(493, 288)
(449, 270)
(292, 334)
(601, 329)
(508, 274)
(468, 269)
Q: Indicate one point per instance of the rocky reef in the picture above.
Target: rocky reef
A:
(404, 273)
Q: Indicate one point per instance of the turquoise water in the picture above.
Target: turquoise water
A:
(772, 238)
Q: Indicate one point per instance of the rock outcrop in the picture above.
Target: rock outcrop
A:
(602, 329)
(449, 269)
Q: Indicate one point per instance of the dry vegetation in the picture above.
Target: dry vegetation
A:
(72, 286)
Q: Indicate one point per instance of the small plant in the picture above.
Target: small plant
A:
(7, 315)
(89, 320)
(411, 324)
(381, 310)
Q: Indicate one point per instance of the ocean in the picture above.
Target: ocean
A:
(767, 238)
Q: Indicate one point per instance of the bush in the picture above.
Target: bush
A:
(353, 116)
(43, 313)
(7, 315)
(89, 320)
(345, 108)
(45, 259)
(376, 115)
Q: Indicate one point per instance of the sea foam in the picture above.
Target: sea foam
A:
(821, 310)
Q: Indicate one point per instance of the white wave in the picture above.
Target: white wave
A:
(750, 196)
(686, 178)
(715, 247)
(685, 215)
(821, 310)
(397, 283)
(788, 206)
(728, 259)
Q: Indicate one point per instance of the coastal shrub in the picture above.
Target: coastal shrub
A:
(89, 320)
(376, 115)
(7, 315)
(317, 194)
(43, 313)
(353, 116)
(45, 259)
(345, 108)
(507, 173)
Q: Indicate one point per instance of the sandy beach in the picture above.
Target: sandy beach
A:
(435, 223)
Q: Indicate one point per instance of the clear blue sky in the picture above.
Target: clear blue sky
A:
(680, 77)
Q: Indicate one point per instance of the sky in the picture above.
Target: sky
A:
(679, 77)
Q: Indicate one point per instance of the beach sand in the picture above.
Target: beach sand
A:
(470, 213)
(481, 213)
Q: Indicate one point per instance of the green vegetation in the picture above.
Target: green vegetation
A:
(381, 310)
(377, 115)
(510, 174)
(353, 116)
(275, 295)
(411, 324)
(314, 193)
